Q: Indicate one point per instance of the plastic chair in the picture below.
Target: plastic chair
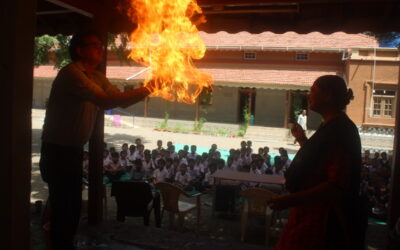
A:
(133, 199)
(170, 196)
(255, 204)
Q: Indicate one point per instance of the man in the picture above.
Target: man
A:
(78, 93)
(302, 121)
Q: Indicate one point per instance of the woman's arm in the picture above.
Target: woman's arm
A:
(338, 168)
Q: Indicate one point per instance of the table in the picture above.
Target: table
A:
(249, 177)
(225, 196)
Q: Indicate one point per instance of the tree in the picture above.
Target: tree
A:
(60, 43)
(121, 47)
(389, 39)
(41, 49)
(62, 54)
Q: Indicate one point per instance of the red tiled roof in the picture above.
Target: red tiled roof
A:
(222, 76)
(290, 39)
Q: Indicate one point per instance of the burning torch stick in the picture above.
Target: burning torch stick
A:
(138, 73)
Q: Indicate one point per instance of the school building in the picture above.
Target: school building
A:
(270, 74)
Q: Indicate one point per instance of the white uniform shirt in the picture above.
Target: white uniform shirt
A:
(183, 179)
(160, 175)
(192, 156)
(209, 179)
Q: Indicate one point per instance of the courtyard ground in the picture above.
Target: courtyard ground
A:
(216, 231)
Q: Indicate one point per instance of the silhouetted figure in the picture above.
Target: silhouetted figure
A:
(78, 93)
(324, 177)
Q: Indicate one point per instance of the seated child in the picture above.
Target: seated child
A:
(114, 170)
(182, 178)
(171, 171)
(277, 168)
(161, 173)
(125, 163)
(137, 172)
(208, 179)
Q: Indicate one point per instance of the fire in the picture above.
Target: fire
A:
(167, 41)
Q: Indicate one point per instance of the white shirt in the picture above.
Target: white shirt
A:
(160, 175)
(183, 179)
(302, 121)
(125, 162)
(236, 164)
(114, 165)
(173, 155)
(209, 179)
(147, 166)
(106, 161)
(183, 161)
(192, 156)
(137, 155)
(193, 173)
(199, 167)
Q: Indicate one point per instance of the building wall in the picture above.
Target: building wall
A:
(224, 107)
(41, 91)
(270, 108)
(360, 75)
(278, 58)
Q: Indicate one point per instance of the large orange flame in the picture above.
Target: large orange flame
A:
(167, 41)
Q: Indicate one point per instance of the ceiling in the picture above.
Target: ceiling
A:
(301, 16)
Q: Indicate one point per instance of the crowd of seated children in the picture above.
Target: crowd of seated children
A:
(375, 179)
(186, 168)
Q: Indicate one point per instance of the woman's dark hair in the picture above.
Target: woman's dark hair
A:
(336, 86)
(77, 41)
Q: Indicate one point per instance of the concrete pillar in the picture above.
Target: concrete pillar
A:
(394, 204)
(18, 23)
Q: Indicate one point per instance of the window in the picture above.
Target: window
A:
(249, 55)
(301, 57)
(383, 103)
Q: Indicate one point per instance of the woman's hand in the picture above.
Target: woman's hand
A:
(298, 133)
(280, 202)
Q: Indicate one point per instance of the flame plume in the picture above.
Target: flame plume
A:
(167, 41)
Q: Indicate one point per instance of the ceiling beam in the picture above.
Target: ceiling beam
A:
(54, 12)
(71, 8)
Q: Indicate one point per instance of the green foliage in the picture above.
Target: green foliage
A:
(164, 124)
(205, 97)
(60, 44)
(297, 105)
(41, 49)
(178, 129)
(62, 54)
(246, 116)
(242, 131)
(198, 125)
(120, 49)
(388, 37)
